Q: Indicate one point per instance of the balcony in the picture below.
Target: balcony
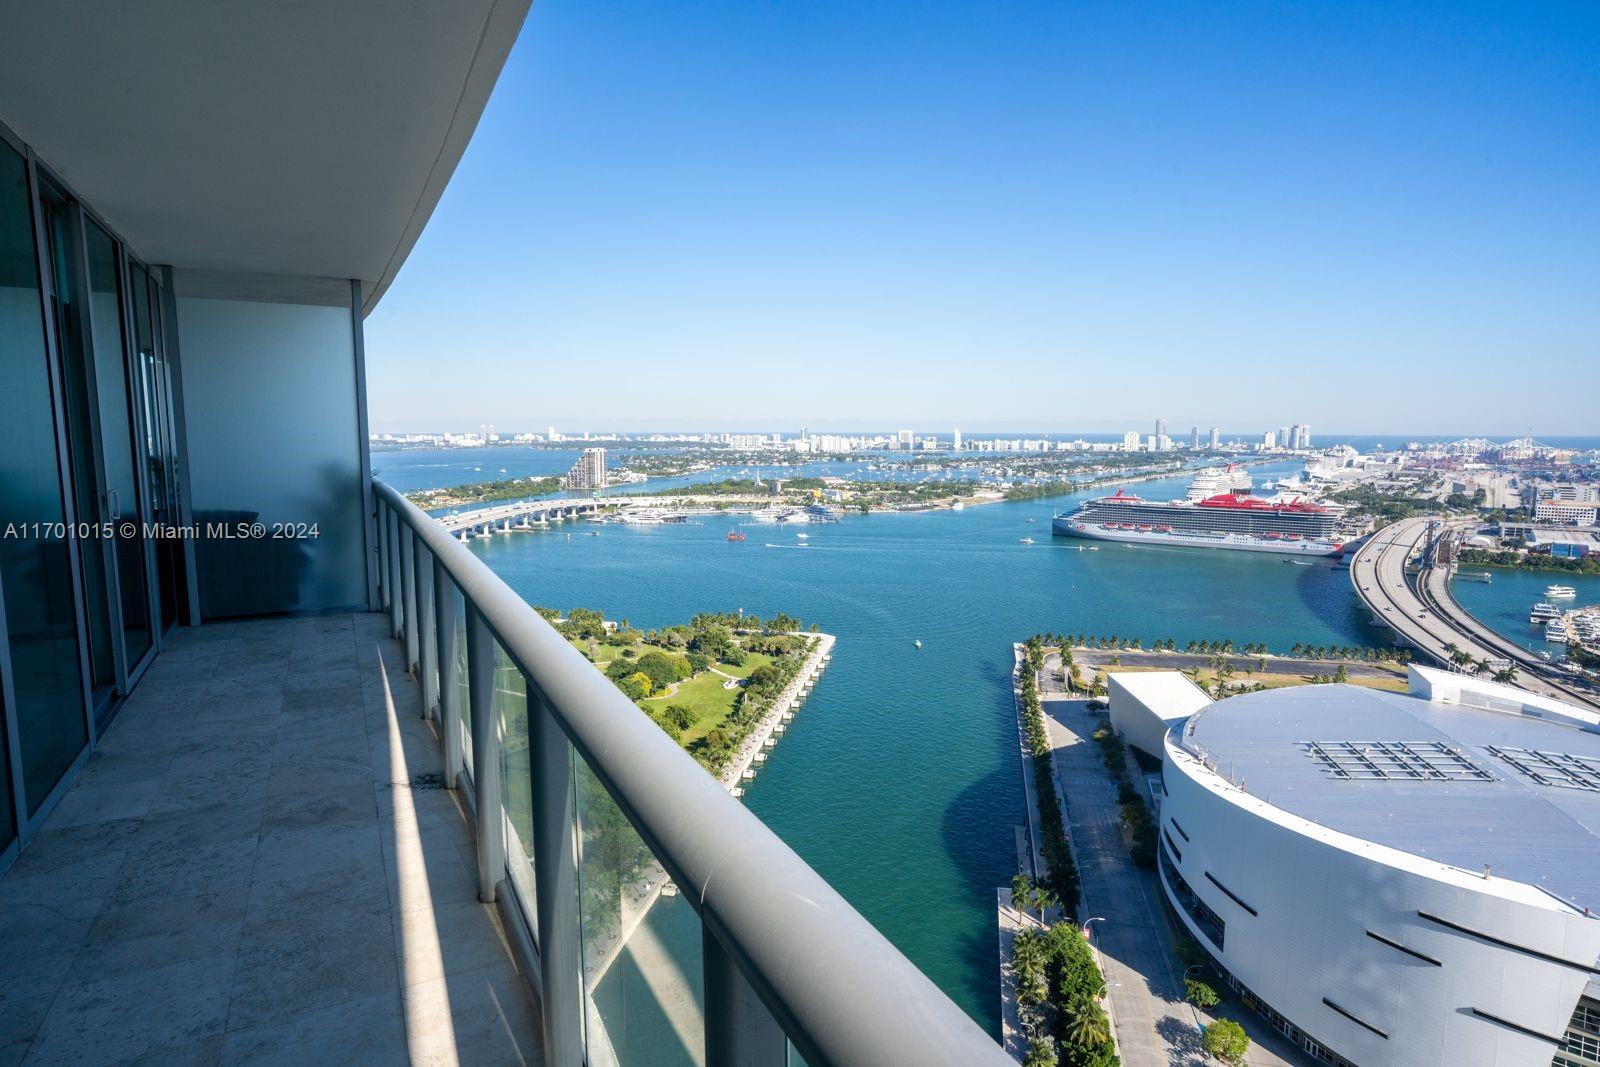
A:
(258, 863)
(438, 834)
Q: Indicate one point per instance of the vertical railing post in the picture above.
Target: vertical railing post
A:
(392, 535)
(740, 1031)
(408, 588)
(485, 754)
(427, 631)
(555, 879)
(444, 609)
(383, 554)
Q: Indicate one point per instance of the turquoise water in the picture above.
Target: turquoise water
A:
(899, 781)
(1503, 603)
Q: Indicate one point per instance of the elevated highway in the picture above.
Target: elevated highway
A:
(1415, 602)
(520, 514)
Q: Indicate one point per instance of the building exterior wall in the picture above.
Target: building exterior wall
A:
(270, 392)
(1143, 725)
(1316, 894)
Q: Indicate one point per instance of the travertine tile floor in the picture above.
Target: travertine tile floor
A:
(258, 865)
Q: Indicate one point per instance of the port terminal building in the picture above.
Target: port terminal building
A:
(1389, 878)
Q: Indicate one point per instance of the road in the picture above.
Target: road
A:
(1427, 616)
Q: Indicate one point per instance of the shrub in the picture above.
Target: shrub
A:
(1200, 994)
(1226, 1040)
(679, 715)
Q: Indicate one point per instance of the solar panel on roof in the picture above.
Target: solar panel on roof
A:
(1409, 761)
(1562, 770)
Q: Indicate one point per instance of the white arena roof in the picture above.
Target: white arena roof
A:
(1460, 785)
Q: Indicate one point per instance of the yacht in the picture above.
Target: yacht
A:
(1555, 631)
(1563, 591)
(1543, 613)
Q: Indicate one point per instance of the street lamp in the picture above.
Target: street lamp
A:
(1086, 922)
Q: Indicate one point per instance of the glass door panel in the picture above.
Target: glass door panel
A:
(117, 441)
(77, 387)
(35, 568)
(155, 436)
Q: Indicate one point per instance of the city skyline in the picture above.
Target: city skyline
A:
(1369, 215)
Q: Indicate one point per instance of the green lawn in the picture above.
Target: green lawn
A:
(703, 694)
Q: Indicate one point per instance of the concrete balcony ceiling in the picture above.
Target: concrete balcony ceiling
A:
(301, 140)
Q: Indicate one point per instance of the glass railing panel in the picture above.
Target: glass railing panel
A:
(516, 776)
(463, 680)
(644, 998)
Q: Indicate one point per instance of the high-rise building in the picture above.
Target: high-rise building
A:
(1130, 441)
(957, 446)
(1299, 436)
(1161, 429)
(905, 439)
(1216, 438)
(1269, 439)
(1283, 437)
(590, 470)
(1194, 437)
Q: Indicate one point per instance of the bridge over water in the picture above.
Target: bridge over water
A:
(522, 515)
(1397, 575)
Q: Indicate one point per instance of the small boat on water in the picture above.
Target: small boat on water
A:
(802, 536)
(1025, 541)
(736, 535)
(917, 643)
(1564, 592)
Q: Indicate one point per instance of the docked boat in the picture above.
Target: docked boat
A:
(1475, 576)
(1555, 631)
(1225, 520)
(1563, 592)
(1542, 613)
(1214, 480)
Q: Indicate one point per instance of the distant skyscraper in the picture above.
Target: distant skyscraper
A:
(1283, 437)
(590, 470)
(1194, 437)
(1130, 441)
(1269, 439)
(1161, 428)
(905, 439)
(1216, 438)
(957, 445)
(1299, 436)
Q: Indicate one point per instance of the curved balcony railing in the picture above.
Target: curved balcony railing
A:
(584, 809)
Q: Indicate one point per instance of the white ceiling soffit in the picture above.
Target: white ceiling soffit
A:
(297, 137)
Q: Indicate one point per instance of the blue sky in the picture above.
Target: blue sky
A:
(1056, 216)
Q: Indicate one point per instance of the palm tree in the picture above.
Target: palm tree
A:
(1482, 667)
(1506, 675)
(1086, 1024)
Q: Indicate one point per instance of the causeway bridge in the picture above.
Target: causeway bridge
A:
(520, 515)
(1396, 574)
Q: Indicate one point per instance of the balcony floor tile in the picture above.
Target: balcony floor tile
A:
(258, 865)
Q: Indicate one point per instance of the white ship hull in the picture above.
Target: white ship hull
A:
(1064, 527)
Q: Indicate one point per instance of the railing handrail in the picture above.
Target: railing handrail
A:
(838, 988)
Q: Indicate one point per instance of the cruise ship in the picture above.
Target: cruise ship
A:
(1213, 481)
(1225, 520)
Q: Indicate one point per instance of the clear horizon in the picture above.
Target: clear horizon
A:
(1367, 216)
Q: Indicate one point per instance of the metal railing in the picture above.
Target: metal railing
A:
(785, 965)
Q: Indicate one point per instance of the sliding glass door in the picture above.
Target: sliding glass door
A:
(118, 442)
(44, 711)
(157, 440)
